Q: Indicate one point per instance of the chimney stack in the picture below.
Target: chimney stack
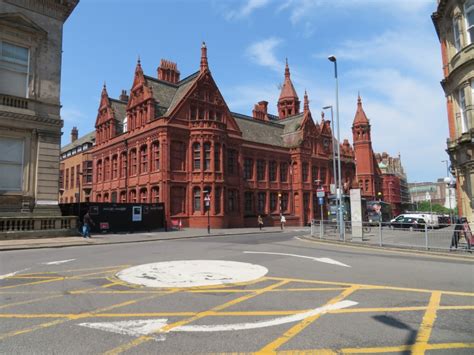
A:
(74, 134)
(259, 111)
(168, 71)
(123, 96)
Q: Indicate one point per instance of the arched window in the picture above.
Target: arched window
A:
(155, 156)
(143, 195)
(114, 166)
(106, 197)
(132, 196)
(217, 157)
(143, 159)
(133, 162)
(123, 164)
(207, 156)
(99, 170)
(197, 199)
(155, 194)
(98, 198)
(196, 156)
(107, 169)
(123, 196)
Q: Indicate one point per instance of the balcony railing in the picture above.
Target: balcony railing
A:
(13, 101)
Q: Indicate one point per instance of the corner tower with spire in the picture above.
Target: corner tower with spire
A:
(288, 103)
(367, 171)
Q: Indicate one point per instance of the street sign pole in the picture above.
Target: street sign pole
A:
(207, 203)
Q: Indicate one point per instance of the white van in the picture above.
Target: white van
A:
(431, 219)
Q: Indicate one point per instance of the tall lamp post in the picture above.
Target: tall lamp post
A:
(447, 181)
(333, 156)
(333, 59)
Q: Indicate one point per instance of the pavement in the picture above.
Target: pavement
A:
(98, 239)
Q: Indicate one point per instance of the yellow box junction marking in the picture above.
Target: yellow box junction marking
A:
(426, 326)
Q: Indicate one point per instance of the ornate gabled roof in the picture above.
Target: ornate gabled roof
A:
(163, 91)
(119, 108)
(288, 90)
(360, 116)
(257, 131)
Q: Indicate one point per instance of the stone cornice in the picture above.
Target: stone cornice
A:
(56, 122)
(48, 8)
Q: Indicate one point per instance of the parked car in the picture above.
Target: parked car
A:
(410, 223)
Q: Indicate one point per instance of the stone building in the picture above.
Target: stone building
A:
(30, 122)
(75, 173)
(454, 23)
(175, 140)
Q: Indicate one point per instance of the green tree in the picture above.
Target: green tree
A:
(424, 206)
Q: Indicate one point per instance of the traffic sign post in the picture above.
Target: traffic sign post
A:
(207, 204)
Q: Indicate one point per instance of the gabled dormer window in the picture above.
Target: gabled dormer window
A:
(13, 69)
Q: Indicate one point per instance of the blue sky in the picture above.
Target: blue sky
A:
(388, 50)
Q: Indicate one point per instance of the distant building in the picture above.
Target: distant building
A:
(438, 192)
(454, 23)
(75, 174)
(31, 35)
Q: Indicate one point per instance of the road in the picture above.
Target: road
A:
(261, 293)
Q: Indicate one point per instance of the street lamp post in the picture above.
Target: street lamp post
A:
(333, 157)
(447, 180)
(333, 59)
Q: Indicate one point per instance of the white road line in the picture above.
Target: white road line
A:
(149, 326)
(263, 324)
(131, 327)
(321, 260)
(58, 262)
(11, 274)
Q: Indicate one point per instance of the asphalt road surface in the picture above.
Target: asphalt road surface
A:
(262, 293)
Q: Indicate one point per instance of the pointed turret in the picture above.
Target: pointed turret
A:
(306, 102)
(204, 64)
(288, 103)
(360, 116)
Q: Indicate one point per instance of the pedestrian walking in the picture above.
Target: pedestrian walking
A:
(456, 235)
(86, 226)
(260, 222)
(282, 222)
(467, 232)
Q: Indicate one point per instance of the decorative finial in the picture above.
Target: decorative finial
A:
(359, 100)
(287, 69)
(306, 102)
(204, 64)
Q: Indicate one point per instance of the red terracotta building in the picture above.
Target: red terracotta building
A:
(175, 140)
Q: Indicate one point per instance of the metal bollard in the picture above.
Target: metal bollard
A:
(380, 234)
(426, 237)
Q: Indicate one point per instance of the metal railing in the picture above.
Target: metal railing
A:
(416, 236)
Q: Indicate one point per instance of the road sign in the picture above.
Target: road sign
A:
(320, 193)
(321, 200)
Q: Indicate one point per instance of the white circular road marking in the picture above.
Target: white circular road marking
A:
(191, 273)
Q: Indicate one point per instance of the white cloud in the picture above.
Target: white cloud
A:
(246, 9)
(263, 53)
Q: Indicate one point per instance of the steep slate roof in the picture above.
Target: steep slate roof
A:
(163, 91)
(270, 133)
(89, 137)
(120, 109)
(183, 87)
(288, 90)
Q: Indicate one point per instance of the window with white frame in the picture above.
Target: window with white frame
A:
(11, 164)
(462, 110)
(457, 34)
(13, 69)
(469, 15)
